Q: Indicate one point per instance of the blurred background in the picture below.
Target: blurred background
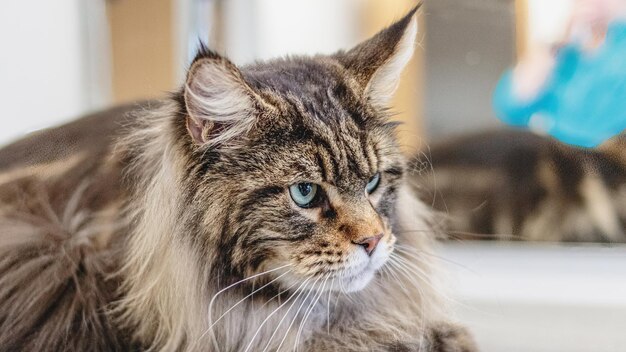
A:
(62, 58)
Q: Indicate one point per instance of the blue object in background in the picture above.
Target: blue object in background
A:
(583, 102)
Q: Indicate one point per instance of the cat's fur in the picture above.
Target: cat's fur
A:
(516, 185)
(133, 229)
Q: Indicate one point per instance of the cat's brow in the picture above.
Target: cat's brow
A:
(328, 168)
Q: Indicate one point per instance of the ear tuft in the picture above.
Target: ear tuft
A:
(378, 62)
(220, 104)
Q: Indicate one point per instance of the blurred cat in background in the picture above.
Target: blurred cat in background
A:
(517, 185)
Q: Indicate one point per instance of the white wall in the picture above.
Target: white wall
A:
(41, 66)
(262, 29)
(53, 64)
(547, 20)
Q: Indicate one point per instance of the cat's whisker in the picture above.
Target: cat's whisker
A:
(414, 251)
(412, 268)
(406, 261)
(213, 337)
(399, 273)
(409, 272)
(409, 248)
(246, 297)
(425, 300)
(337, 296)
(414, 231)
(280, 293)
(424, 278)
(384, 274)
(256, 333)
(447, 297)
(392, 272)
(419, 257)
(345, 293)
(406, 273)
(419, 292)
(295, 317)
(309, 310)
(341, 289)
(281, 321)
(415, 254)
(426, 164)
(332, 285)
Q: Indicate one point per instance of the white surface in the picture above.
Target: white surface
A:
(531, 298)
(262, 29)
(40, 65)
(547, 20)
(306, 27)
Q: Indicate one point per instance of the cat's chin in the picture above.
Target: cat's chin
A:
(359, 272)
(358, 282)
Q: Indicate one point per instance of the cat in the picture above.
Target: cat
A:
(258, 208)
(516, 185)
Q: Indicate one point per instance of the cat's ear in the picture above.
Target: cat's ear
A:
(378, 62)
(221, 106)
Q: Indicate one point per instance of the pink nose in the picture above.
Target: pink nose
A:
(369, 243)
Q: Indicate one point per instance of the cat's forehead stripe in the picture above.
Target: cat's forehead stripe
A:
(345, 129)
(324, 111)
(357, 152)
(351, 160)
(328, 167)
(343, 149)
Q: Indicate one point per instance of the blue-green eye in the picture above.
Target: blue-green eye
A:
(373, 183)
(304, 194)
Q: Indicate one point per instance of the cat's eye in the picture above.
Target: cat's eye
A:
(373, 183)
(304, 194)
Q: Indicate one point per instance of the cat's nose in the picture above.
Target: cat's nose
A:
(369, 243)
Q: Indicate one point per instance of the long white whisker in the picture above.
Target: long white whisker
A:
(282, 319)
(309, 310)
(415, 254)
(332, 285)
(420, 293)
(401, 259)
(213, 337)
(344, 293)
(337, 296)
(296, 315)
(246, 297)
(391, 267)
(268, 318)
(279, 293)
(405, 272)
(423, 276)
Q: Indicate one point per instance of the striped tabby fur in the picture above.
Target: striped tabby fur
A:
(148, 227)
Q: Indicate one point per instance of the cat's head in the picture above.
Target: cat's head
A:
(294, 162)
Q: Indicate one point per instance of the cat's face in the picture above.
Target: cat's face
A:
(302, 160)
(324, 190)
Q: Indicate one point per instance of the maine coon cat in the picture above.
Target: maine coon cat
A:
(516, 185)
(260, 208)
